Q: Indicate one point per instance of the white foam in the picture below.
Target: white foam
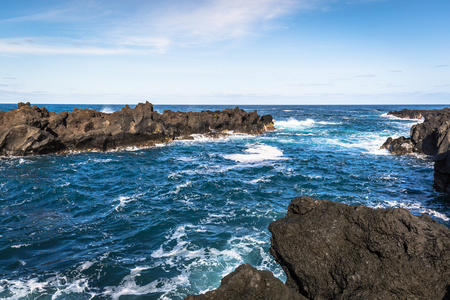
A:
(20, 246)
(293, 124)
(201, 137)
(257, 153)
(413, 206)
(385, 115)
(25, 161)
(107, 110)
(328, 123)
(262, 179)
(77, 286)
(369, 142)
(84, 266)
(179, 187)
(128, 285)
(22, 288)
(123, 201)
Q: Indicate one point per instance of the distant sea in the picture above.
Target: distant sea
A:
(164, 222)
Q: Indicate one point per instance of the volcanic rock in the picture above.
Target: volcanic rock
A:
(432, 137)
(331, 250)
(30, 130)
(442, 172)
(246, 282)
(415, 113)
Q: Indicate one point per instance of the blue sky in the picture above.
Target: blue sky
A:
(225, 51)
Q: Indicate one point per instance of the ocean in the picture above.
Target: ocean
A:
(172, 220)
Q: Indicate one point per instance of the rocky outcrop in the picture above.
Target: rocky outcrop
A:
(432, 137)
(247, 282)
(415, 113)
(331, 250)
(30, 130)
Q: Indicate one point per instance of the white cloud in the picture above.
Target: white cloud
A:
(222, 19)
(153, 26)
(22, 46)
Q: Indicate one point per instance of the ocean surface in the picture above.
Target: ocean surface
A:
(164, 222)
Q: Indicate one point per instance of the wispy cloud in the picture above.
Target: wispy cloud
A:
(22, 46)
(310, 84)
(366, 76)
(440, 66)
(153, 26)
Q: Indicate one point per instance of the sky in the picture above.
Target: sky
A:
(225, 51)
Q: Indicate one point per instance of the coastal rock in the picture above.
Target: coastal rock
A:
(332, 250)
(246, 282)
(442, 172)
(387, 143)
(415, 113)
(399, 146)
(30, 130)
(407, 113)
(432, 137)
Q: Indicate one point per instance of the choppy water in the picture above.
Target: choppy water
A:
(164, 222)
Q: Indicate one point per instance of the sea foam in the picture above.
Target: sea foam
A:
(294, 124)
(257, 153)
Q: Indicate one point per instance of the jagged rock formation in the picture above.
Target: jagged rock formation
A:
(331, 250)
(432, 137)
(247, 282)
(31, 130)
(415, 113)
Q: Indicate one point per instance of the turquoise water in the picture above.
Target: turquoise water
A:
(164, 222)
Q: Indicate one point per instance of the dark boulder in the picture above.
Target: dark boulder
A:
(399, 146)
(247, 282)
(331, 250)
(30, 130)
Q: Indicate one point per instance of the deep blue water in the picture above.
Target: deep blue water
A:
(164, 222)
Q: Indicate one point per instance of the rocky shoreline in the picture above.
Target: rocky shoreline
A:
(32, 130)
(432, 137)
(331, 250)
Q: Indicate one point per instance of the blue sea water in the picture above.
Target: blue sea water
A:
(164, 222)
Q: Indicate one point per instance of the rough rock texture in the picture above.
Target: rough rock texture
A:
(432, 137)
(31, 130)
(442, 172)
(399, 146)
(247, 282)
(331, 250)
